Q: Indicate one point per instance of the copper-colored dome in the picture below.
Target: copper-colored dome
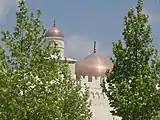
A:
(93, 65)
(54, 31)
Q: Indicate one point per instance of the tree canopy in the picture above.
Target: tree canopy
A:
(132, 85)
(34, 86)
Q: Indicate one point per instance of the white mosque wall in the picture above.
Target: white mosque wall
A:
(72, 69)
(99, 102)
(59, 41)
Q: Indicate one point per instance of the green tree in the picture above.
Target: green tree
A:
(156, 117)
(34, 86)
(131, 86)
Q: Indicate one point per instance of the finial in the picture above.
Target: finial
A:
(54, 23)
(94, 49)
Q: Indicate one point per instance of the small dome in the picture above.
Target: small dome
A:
(54, 31)
(93, 65)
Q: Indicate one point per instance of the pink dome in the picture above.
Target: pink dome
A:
(93, 65)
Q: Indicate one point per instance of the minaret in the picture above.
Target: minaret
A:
(54, 35)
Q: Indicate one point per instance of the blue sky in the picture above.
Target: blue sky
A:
(85, 21)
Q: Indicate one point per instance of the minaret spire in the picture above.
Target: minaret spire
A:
(94, 49)
(54, 22)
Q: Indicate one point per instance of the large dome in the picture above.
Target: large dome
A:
(93, 65)
(54, 32)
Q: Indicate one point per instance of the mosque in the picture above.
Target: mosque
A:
(91, 70)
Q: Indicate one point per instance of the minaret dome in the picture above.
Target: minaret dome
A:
(93, 65)
(54, 31)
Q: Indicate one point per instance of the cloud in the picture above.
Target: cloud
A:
(79, 47)
(5, 7)
(154, 18)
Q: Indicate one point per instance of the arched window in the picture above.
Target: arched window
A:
(92, 95)
(97, 95)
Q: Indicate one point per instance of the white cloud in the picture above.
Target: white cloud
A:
(5, 7)
(79, 47)
(154, 18)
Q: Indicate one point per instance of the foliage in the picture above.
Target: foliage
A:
(156, 117)
(32, 85)
(132, 84)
